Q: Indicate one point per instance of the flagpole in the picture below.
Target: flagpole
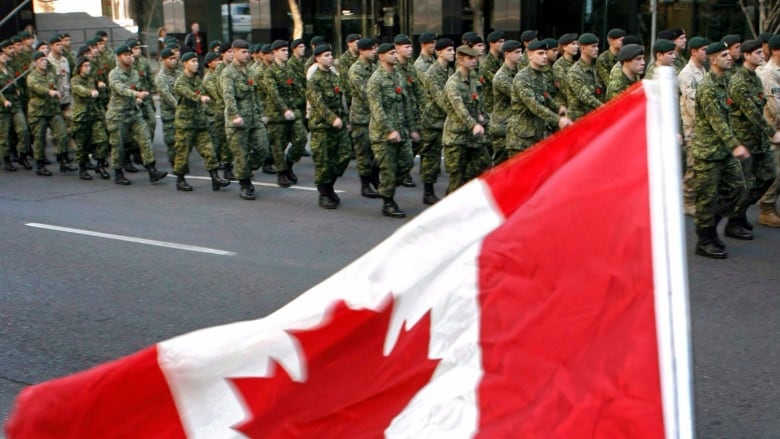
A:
(669, 254)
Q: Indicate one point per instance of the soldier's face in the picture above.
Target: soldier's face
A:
(572, 48)
(723, 60)
(299, 50)
(85, 68)
(469, 62)
(241, 55)
(637, 65)
(735, 52)
(101, 46)
(616, 43)
(755, 57)
(56, 48)
(282, 54)
(45, 49)
(538, 58)
(592, 50)
(171, 61)
(390, 57)
(448, 53)
(126, 59)
(666, 58)
(18, 47)
(514, 56)
(268, 58)
(9, 51)
(699, 54)
(136, 51)
(228, 56)
(552, 55)
(3, 58)
(192, 65)
(66, 42)
(41, 63)
(404, 51)
(479, 47)
(325, 60)
(681, 42)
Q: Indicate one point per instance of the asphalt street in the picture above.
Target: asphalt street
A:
(70, 301)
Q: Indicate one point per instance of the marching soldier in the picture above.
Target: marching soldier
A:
(215, 110)
(164, 81)
(570, 47)
(586, 91)
(770, 77)
(427, 57)
(688, 79)
(489, 66)
(345, 62)
(359, 116)
(502, 98)
(664, 54)
(9, 77)
(607, 60)
(632, 64)
(404, 51)
(89, 125)
(677, 36)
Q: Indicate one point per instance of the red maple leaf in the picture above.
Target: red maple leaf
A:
(351, 389)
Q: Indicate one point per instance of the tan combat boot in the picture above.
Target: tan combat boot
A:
(769, 217)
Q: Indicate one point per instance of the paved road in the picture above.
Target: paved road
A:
(68, 302)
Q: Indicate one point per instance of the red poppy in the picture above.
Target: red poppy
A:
(289, 81)
(598, 91)
(197, 92)
(250, 82)
(410, 80)
(546, 95)
(337, 89)
(761, 95)
(729, 101)
(51, 86)
(16, 73)
(556, 84)
(398, 90)
(474, 97)
(132, 86)
(481, 79)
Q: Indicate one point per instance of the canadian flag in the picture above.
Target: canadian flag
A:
(546, 299)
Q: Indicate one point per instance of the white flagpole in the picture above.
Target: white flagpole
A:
(669, 253)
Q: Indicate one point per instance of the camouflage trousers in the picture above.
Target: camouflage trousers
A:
(430, 155)
(394, 160)
(39, 125)
(687, 180)
(150, 116)
(500, 154)
(122, 132)
(759, 171)
(769, 200)
(21, 130)
(5, 131)
(279, 135)
(186, 139)
(249, 147)
(219, 139)
(364, 156)
(465, 162)
(90, 137)
(330, 151)
(718, 186)
(169, 138)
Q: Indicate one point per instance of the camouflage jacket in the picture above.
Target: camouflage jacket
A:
(213, 87)
(61, 69)
(296, 65)
(281, 93)
(679, 63)
(423, 63)
(325, 94)
(502, 100)
(123, 85)
(555, 93)
(747, 117)
(345, 63)
(586, 92)
(713, 138)
(463, 109)
(85, 108)
(165, 79)
(533, 111)
(560, 71)
(141, 64)
(190, 111)
(413, 87)
(604, 63)
(489, 66)
(239, 91)
(358, 76)
(435, 112)
(12, 93)
(618, 82)
(688, 79)
(39, 85)
(770, 78)
(389, 104)
(71, 59)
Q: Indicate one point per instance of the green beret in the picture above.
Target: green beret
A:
(37, 55)
(473, 39)
(511, 46)
(353, 37)
(385, 47)
(401, 39)
(443, 43)
(5, 44)
(24, 35)
(588, 39)
(629, 52)
(317, 40)
(716, 48)
(537, 45)
(214, 44)
(79, 62)
(748, 46)
(92, 42)
(366, 43)
(322, 48)
(278, 44)
(132, 43)
(663, 46)
(56, 38)
(188, 56)
(764, 37)
(296, 42)
(567, 39)
(101, 34)
(172, 45)
(15, 39)
(211, 56)
(254, 48)
(495, 36)
(731, 39)
(774, 42)
(427, 38)
(166, 53)
(467, 51)
(528, 35)
(265, 49)
(616, 33)
(697, 42)
(41, 44)
(552, 43)
(227, 45)
(82, 50)
(240, 44)
(121, 50)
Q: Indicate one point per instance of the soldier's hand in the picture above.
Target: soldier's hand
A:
(415, 136)
(740, 152)
(563, 122)
(101, 84)
(238, 121)
(54, 93)
(394, 137)
(143, 95)
(478, 130)
(7, 104)
(205, 99)
(138, 101)
(776, 138)
(289, 115)
(338, 123)
(94, 93)
(563, 111)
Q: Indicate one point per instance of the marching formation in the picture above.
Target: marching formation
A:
(476, 103)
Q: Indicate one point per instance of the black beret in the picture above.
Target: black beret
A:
(774, 42)
(366, 43)
(37, 55)
(511, 46)
(587, 39)
(166, 53)
(188, 56)
(467, 35)
(715, 48)
(15, 39)
(495, 36)
(630, 51)
(41, 44)
(265, 49)
(401, 39)
(121, 50)
(211, 56)
(551, 43)
(427, 37)
(101, 34)
(731, 39)
(65, 35)
(616, 33)
(528, 35)
(317, 40)
(385, 47)
(749, 46)
(278, 44)
(632, 39)
(5, 43)
(82, 50)
(443, 43)
(353, 37)
(214, 44)
(764, 37)
(670, 34)
(81, 60)
(56, 38)
(322, 48)
(473, 40)
(663, 46)
(227, 45)
(567, 39)
(24, 35)
(92, 42)
(698, 42)
(296, 42)
(240, 44)
(537, 45)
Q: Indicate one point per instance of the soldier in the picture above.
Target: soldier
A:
(632, 65)
(6, 115)
(502, 98)
(586, 92)
(59, 64)
(164, 81)
(552, 56)
(403, 47)
(718, 180)
(427, 56)
(526, 38)
(296, 61)
(688, 79)
(330, 145)
(734, 43)
(345, 62)
(489, 66)
(465, 154)
(677, 36)
(67, 51)
(13, 95)
(359, 116)
(141, 65)
(433, 117)
(664, 54)
(770, 77)
(285, 120)
(391, 117)
(533, 110)
(265, 58)
(314, 42)
(607, 60)
(569, 48)
(215, 110)
(89, 125)
(192, 126)
(246, 134)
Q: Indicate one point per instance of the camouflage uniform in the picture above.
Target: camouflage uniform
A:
(141, 64)
(359, 116)
(488, 67)
(330, 147)
(249, 141)
(282, 94)
(558, 99)
(61, 69)
(502, 109)
(423, 63)
(124, 120)
(433, 117)
(43, 112)
(604, 63)
(89, 124)
(391, 110)
(15, 114)
(586, 92)
(533, 111)
(345, 63)
(679, 63)
(753, 131)
(415, 94)
(689, 78)
(718, 179)
(770, 78)
(215, 112)
(164, 81)
(618, 82)
(465, 156)
(561, 80)
(191, 125)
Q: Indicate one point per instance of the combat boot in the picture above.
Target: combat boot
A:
(100, 168)
(129, 167)
(40, 169)
(365, 187)
(228, 173)
(24, 162)
(64, 165)
(743, 221)
(8, 164)
(735, 230)
(282, 180)
(390, 208)
(429, 196)
(119, 177)
(408, 182)
(83, 173)
(325, 201)
(332, 193)
(290, 174)
(246, 193)
(769, 218)
(706, 245)
(154, 174)
(181, 184)
(269, 168)
(217, 182)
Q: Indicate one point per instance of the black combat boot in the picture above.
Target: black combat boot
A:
(429, 196)
(119, 177)
(743, 221)
(217, 182)
(735, 230)
(268, 166)
(100, 168)
(408, 182)
(325, 201)
(8, 164)
(40, 169)
(290, 174)
(365, 187)
(181, 184)
(707, 246)
(154, 174)
(282, 180)
(228, 173)
(332, 193)
(65, 166)
(391, 209)
(24, 162)
(246, 192)
(83, 173)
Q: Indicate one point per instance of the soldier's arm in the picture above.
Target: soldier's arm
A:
(164, 88)
(229, 97)
(502, 85)
(80, 88)
(118, 86)
(771, 81)
(150, 81)
(315, 92)
(582, 90)
(419, 93)
(437, 89)
(357, 83)
(376, 107)
(715, 115)
(184, 91)
(459, 110)
(210, 86)
(739, 94)
(37, 86)
(524, 91)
